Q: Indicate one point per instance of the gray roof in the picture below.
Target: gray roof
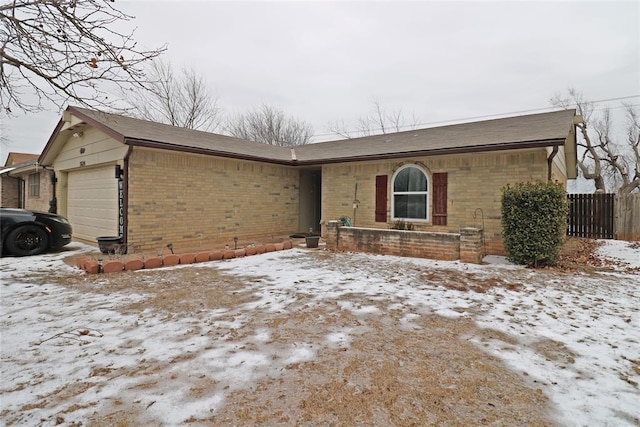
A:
(527, 131)
(506, 133)
(143, 132)
(30, 165)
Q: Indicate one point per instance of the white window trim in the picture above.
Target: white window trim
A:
(428, 192)
(33, 182)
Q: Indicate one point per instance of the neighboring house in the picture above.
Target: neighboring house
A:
(155, 184)
(26, 184)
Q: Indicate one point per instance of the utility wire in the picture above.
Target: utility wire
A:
(532, 110)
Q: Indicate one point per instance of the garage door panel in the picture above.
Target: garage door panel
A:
(92, 203)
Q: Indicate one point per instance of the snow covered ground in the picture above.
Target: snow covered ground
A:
(577, 336)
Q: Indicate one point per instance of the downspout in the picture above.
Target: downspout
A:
(22, 195)
(53, 203)
(550, 161)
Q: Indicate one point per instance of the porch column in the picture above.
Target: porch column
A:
(331, 235)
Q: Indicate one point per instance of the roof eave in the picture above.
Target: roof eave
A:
(32, 168)
(166, 146)
(436, 152)
(43, 158)
(64, 128)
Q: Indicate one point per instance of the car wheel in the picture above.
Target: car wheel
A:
(27, 240)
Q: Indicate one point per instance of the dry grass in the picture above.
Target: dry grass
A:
(391, 373)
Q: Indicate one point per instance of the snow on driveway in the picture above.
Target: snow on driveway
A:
(576, 336)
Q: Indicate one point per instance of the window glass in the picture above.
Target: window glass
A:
(410, 179)
(410, 199)
(34, 185)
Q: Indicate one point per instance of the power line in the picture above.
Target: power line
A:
(465, 119)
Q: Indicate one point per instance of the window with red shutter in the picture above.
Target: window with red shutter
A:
(440, 198)
(381, 198)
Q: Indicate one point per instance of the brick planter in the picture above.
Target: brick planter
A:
(92, 266)
(465, 246)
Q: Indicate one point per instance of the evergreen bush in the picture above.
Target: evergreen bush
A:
(534, 222)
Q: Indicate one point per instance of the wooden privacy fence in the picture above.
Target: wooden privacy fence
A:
(604, 216)
(591, 215)
(626, 216)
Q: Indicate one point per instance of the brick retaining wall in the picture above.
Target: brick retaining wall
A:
(466, 246)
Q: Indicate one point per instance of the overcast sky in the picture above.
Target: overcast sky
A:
(440, 61)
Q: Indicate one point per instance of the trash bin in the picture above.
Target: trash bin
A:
(110, 244)
(312, 241)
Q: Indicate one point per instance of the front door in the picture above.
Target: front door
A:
(310, 210)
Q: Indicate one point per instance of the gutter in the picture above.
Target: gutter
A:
(295, 160)
(440, 151)
(7, 170)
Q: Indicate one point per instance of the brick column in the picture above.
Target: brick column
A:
(471, 249)
(331, 236)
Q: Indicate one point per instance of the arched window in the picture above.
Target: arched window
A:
(410, 190)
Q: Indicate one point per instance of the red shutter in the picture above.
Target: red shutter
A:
(381, 198)
(439, 199)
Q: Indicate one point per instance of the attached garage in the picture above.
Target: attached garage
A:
(85, 159)
(92, 202)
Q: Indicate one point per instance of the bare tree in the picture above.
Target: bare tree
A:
(4, 139)
(270, 125)
(58, 51)
(379, 121)
(180, 100)
(600, 157)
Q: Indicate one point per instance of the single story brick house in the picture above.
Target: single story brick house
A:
(155, 184)
(26, 184)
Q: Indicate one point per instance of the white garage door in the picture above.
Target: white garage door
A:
(92, 203)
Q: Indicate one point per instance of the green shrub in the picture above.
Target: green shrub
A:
(534, 222)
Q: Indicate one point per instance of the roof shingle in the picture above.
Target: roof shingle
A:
(534, 130)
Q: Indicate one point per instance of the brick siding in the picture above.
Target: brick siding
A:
(9, 192)
(475, 182)
(42, 201)
(194, 201)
